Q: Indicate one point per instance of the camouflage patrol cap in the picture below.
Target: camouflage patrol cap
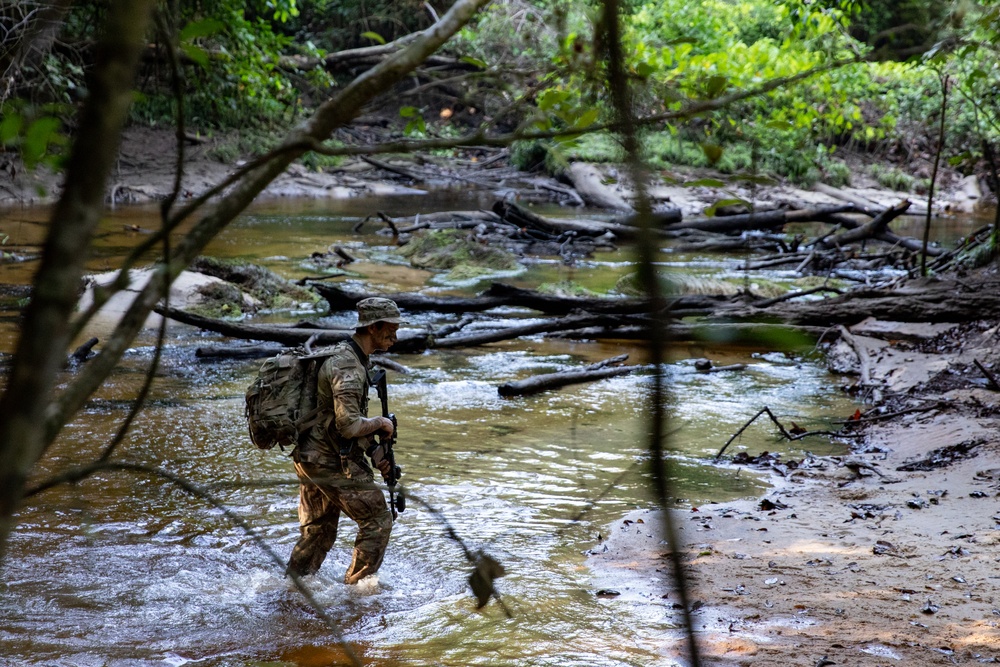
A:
(376, 309)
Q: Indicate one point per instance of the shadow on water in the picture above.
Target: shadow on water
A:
(124, 569)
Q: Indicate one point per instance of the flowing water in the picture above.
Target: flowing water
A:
(125, 568)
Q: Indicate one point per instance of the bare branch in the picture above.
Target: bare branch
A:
(334, 113)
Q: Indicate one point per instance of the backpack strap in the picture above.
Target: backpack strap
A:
(345, 444)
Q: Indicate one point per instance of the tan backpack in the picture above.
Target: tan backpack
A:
(281, 401)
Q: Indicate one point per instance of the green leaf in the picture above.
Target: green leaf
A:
(712, 151)
(415, 126)
(475, 62)
(10, 126)
(587, 118)
(409, 112)
(644, 69)
(374, 36)
(715, 85)
(37, 138)
(203, 28)
(551, 97)
(196, 53)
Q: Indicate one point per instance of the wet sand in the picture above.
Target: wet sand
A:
(848, 560)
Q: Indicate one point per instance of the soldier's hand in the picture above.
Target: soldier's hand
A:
(385, 427)
(377, 455)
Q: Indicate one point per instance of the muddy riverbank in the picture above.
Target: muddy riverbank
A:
(885, 556)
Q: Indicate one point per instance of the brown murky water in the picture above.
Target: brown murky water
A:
(126, 569)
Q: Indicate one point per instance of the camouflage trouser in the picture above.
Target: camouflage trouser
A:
(323, 495)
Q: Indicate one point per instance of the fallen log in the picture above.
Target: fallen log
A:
(522, 217)
(589, 183)
(499, 294)
(286, 335)
(662, 215)
(540, 383)
(887, 236)
(917, 301)
(731, 224)
(443, 220)
(736, 333)
(342, 298)
(562, 305)
(876, 227)
(863, 205)
(509, 333)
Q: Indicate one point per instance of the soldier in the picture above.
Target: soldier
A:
(334, 460)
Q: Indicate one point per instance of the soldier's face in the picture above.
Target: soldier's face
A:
(384, 335)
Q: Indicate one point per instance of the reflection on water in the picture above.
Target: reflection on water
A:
(126, 569)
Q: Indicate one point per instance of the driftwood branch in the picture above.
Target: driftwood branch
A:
(764, 410)
(907, 242)
(729, 224)
(564, 324)
(873, 229)
(539, 383)
(522, 217)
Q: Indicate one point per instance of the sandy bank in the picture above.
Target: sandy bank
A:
(850, 561)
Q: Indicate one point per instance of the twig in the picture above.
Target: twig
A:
(387, 220)
(889, 415)
(473, 558)
(341, 253)
(989, 376)
(747, 425)
(934, 172)
(393, 168)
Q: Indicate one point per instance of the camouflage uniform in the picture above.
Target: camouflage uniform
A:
(330, 485)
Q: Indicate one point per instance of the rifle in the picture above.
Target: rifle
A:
(397, 501)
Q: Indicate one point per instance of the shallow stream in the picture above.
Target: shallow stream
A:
(126, 569)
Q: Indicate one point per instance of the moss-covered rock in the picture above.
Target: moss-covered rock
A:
(222, 299)
(268, 290)
(458, 252)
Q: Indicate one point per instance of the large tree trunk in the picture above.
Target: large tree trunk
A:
(41, 349)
